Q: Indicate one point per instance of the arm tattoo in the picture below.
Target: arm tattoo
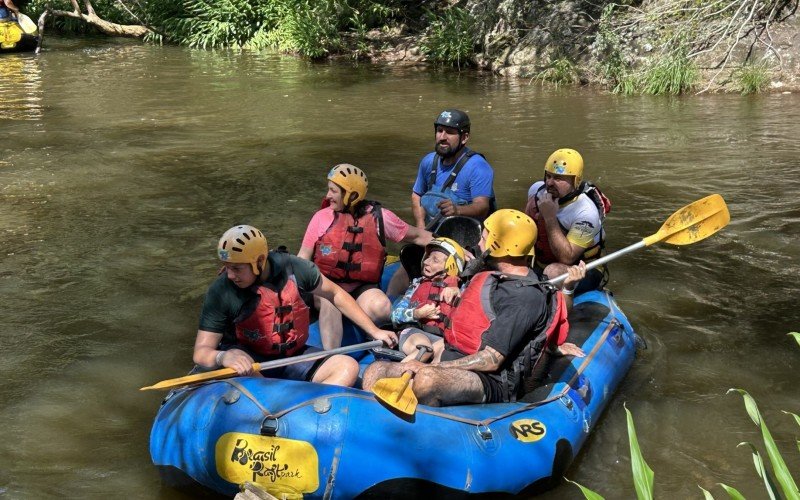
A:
(485, 360)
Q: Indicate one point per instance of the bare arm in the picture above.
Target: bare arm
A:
(418, 211)
(416, 235)
(206, 350)
(479, 208)
(305, 253)
(343, 301)
(485, 360)
(566, 251)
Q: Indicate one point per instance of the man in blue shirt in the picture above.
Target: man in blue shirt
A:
(453, 179)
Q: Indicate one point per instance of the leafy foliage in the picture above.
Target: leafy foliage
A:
(451, 36)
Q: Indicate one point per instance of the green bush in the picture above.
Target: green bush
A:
(451, 37)
(752, 78)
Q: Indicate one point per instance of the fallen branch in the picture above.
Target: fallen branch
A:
(91, 18)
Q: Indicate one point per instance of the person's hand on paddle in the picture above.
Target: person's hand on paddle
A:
(574, 275)
(447, 208)
(450, 294)
(426, 311)
(413, 365)
(388, 337)
(238, 360)
(570, 349)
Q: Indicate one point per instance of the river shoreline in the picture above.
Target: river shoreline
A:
(397, 47)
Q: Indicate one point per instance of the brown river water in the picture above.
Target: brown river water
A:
(121, 164)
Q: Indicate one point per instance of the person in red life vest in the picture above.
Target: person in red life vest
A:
(347, 241)
(253, 312)
(423, 305)
(569, 214)
(504, 319)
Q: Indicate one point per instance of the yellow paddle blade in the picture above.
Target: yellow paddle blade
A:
(396, 393)
(196, 378)
(694, 222)
(26, 24)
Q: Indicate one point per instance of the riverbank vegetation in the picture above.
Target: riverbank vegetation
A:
(774, 472)
(651, 47)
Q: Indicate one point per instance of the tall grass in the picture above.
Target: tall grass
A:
(673, 74)
(776, 476)
(752, 78)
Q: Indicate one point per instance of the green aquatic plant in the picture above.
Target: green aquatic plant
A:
(451, 36)
(777, 478)
(752, 78)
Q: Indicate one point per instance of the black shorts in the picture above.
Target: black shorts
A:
(363, 288)
(494, 387)
(303, 371)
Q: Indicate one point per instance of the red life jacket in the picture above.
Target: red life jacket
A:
(429, 291)
(278, 326)
(474, 314)
(353, 249)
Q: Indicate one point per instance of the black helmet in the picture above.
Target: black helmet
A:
(454, 118)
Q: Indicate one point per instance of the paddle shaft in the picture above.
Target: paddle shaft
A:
(602, 260)
(229, 372)
(316, 355)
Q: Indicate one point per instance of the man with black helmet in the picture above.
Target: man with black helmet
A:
(453, 179)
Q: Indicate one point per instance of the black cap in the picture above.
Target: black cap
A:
(454, 118)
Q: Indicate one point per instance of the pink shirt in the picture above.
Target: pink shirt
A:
(395, 228)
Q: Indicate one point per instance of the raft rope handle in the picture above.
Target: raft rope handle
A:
(243, 390)
(478, 423)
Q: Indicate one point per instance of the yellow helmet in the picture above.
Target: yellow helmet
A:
(566, 162)
(455, 254)
(352, 180)
(511, 233)
(243, 245)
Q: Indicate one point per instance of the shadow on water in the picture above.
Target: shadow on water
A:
(122, 164)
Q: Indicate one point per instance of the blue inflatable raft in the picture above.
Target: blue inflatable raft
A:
(318, 441)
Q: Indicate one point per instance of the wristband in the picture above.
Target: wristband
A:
(567, 291)
(218, 358)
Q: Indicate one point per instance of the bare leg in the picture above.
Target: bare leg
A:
(411, 347)
(398, 283)
(337, 370)
(435, 386)
(330, 325)
(376, 305)
(379, 370)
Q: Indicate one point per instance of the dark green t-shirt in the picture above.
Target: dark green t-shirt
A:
(225, 301)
